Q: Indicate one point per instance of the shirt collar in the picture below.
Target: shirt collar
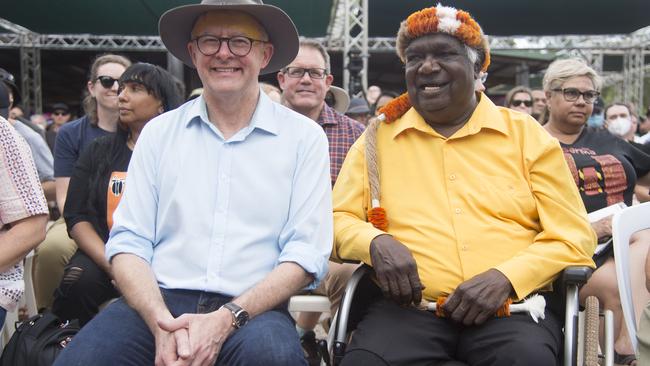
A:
(263, 117)
(327, 116)
(486, 115)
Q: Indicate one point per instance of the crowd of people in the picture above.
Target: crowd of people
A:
(179, 226)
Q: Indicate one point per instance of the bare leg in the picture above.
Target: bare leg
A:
(603, 285)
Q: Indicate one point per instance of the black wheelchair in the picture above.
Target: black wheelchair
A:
(581, 341)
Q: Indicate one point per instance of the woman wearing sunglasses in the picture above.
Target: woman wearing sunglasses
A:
(96, 186)
(100, 106)
(520, 99)
(606, 170)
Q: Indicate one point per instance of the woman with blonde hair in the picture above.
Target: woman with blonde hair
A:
(606, 169)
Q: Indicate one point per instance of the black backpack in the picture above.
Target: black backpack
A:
(38, 341)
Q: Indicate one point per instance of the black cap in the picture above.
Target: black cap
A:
(10, 81)
(4, 101)
(60, 107)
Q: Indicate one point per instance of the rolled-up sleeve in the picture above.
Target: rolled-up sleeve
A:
(307, 237)
(134, 221)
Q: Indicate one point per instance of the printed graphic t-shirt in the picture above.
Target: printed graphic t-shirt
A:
(604, 167)
(93, 197)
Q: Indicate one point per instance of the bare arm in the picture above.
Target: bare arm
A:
(647, 270)
(644, 180)
(61, 191)
(603, 227)
(642, 193)
(283, 282)
(137, 283)
(90, 243)
(23, 236)
(49, 188)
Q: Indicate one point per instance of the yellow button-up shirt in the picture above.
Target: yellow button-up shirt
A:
(496, 194)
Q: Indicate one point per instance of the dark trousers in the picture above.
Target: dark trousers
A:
(390, 334)
(119, 336)
(83, 288)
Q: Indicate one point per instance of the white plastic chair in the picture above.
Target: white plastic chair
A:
(624, 224)
(309, 303)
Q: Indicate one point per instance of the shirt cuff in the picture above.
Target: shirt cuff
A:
(308, 257)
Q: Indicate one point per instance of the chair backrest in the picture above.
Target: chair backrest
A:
(624, 224)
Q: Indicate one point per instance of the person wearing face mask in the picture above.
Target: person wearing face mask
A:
(619, 122)
(606, 170)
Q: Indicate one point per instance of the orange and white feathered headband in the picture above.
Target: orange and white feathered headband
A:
(438, 19)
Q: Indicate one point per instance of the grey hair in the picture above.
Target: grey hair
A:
(320, 48)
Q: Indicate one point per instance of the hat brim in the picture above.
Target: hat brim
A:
(341, 99)
(175, 28)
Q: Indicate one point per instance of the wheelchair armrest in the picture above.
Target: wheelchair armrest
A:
(575, 275)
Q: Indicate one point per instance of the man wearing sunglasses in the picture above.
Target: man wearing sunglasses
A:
(60, 116)
(227, 212)
(520, 99)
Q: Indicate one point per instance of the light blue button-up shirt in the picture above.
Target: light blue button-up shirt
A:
(218, 215)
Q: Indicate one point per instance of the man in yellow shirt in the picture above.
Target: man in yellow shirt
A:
(451, 195)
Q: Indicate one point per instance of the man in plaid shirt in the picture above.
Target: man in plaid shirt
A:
(304, 83)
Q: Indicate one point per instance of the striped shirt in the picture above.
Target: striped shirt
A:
(342, 131)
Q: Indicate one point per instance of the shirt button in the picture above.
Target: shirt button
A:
(452, 176)
(457, 211)
(464, 248)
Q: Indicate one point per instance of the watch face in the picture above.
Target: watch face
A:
(242, 319)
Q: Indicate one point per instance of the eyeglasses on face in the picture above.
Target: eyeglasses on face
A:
(60, 113)
(518, 102)
(239, 46)
(106, 81)
(482, 76)
(299, 72)
(572, 94)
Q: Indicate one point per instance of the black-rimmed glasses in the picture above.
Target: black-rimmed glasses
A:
(239, 46)
(299, 72)
(106, 81)
(572, 94)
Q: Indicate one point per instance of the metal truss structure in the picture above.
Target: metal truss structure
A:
(348, 33)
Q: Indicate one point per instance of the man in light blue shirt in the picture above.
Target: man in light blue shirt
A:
(227, 210)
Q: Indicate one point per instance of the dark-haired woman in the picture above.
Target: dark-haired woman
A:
(96, 186)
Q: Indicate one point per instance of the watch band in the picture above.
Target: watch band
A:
(239, 315)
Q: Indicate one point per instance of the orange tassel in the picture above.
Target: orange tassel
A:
(396, 108)
(502, 312)
(377, 217)
(440, 312)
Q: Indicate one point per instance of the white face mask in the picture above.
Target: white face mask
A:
(619, 126)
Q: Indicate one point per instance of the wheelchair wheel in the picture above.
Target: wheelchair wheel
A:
(592, 321)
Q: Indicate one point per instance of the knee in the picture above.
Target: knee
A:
(527, 353)
(362, 357)
(73, 283)
(55, 250)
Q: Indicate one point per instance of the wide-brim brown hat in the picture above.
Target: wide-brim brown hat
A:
(175, 28)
